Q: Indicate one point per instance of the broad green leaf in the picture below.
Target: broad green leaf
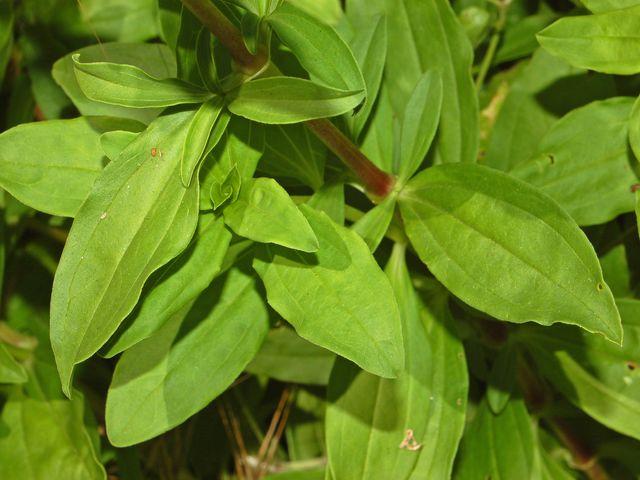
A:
(584, 162)
(305, 428)
(197, 138)
(597, 6)
(6, 35)
(42, 438)
(369, 46)
(507, 249)
(10, 370)
(601, 379)
(318, 47)
(634, 129)
(130, 86)
(292, 151)
(121, 20)
(137, 218)
(281, 100)
(330, 199)
(615, 270)
(507, 441)
(187, 46)
(427, 36)
(114, 142)
(165, 379)
(51, 165)
(502, 379)
(174, 285)
(155, 59)
(264, 212)
(329, 11)
(419, 123)
(409, 427)
(605, 42)
(373, 225)
(287, 357)
(337, 298)
(519, 38)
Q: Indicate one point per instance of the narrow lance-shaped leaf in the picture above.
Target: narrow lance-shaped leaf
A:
(507, 249)
(174, 285)
(337, 298)
(52, 165)
(265, 213)
(200, 351)
(198, 137)
(584, 162)
(129, 86)
(409, 427)
(318, 47)
(137, 217)
(280, 100)
(373, 225)
(606, 42)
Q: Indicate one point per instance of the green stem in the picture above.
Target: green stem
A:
(494, 41)
(378, 183)
(218, 24)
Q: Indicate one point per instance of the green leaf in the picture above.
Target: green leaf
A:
(207, 67)
(584, 162)
(229, 188)
(130, 86)
(615, 270)
(52, 165)
(597, 6)
(329, 11)
(506, 249)
(186, 48)
(197, 139)
(601, 379)
(6, 36)
(379, 143)
(427, 399)
(330, 199)
(165, 379)
(337, 298)
(121, 20)
(502, 379)
(281, 100)
(427, 36)
(634, 128)
(10, 370)
(287, 357)
(519, 38)
(606, 42)
(250, 28)
(43, 437)
(318, 47)
(507, 441)
(373, 225)
(292, 151)
(174, 285)
(137, 218)
(265, 213)
(113, 143)
(419, 123)
(155, 59)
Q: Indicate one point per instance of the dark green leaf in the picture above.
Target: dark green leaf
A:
(137, 218)
(337, 298)
(507, 249)
(502, 379)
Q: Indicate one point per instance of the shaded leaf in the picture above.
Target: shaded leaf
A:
(10, 370)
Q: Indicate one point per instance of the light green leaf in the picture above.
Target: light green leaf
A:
(634, 128)
(605, 42)
(281, 100)
(615, 270)
(10, 370)
(229, 188)
(121, 20)
(43, 437)
(155, 59)
(113, 143)
(584, 162)
(330, 199)
(197, 139)
(507, 249)
(426, 35)
(379, 143)
(174, 285)
(264, 212)
(502, 379)
(292, 151)
(329, 11)
(507, 441)
(601, 379)
(318, 47)
(51, 165)
(165, 379)
(287, 357)
(137, 218)
(323, 295)
(369, 418)
(419, 123)
(373, 225)
(130, 86)
(597, 6)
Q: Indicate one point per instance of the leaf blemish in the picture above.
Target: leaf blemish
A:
(632, 365)
(103, 216)
(600, 286)
(635, 187)
(409, 442)
(154, 151)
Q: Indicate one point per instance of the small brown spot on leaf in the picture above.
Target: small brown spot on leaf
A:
(154, 151)
(409, 442)
(635, 187)
(632, 365)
